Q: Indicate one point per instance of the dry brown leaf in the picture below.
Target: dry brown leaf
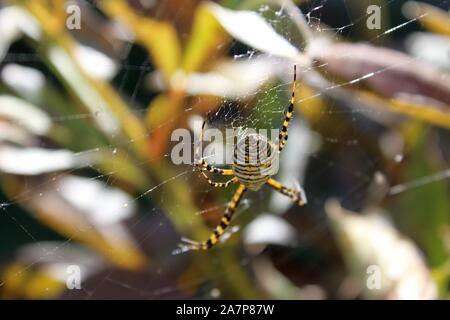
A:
(385, 71)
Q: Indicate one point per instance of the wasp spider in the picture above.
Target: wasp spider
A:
(251, 169)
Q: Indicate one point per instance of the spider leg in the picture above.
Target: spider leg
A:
(219, 184)
(224, 223)
(202, 165)
(296, 196)
(283, 136)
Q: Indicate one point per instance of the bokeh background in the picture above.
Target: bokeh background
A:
(86, 117)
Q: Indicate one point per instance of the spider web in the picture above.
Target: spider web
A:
(306, 161)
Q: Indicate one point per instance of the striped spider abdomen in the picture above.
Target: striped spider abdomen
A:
(255, 160)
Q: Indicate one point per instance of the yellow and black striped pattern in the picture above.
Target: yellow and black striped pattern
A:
(283, 137)
(224, 222)
(292, 194)
(252, 168)
(252, 162)
(219, 184)
(203, 165)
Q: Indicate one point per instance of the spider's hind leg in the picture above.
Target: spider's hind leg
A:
(297, 196)
(220, 229)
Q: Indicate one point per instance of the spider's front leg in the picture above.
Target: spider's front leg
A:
(296, 196)
(283, 136)
(219, 184)
(224, 223)
(202, 165)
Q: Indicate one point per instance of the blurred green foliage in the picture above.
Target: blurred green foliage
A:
(362, 137)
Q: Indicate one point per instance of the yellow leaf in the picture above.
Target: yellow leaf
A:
(427, 113)
(312, 109)
(207, 38)
(22, 281)
(42, 286)
(120, 166)
(159, 119)
(432, 18)
(12, 278)
(158, 37)
(160, 111)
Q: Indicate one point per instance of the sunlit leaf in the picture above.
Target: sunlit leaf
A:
(374, 248)
(231, 79)
(95, 63)
(13, 74)
(251, 28)
(13, 22)
(430, 47)
(24, 114)
(35, 161)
